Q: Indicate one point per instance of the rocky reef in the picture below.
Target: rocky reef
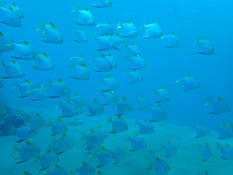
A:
(11, 119)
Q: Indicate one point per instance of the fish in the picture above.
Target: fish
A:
(23, 51)
(78, 100)
(107, 98)
(84, 17)
(11, 15)
(6, 45)
(25, 88)
(81, 36)
(26, 152)
(145, 127)
(43, 62)
(57, 89)
(109, 83)
(38, 93)
(12, 69)
(226, 152)
(161, 167)
(104, 63)
(158, 113)
(149, 158)
(152, 30)
(119, 125)
(50, 33)
(118, 155)
(37, 122)
(187, 83)
(133, 49)
(134, 76)
(127, 30)
(63, 144)
(137, 143)
(23, 133)
(142, 103)
(95, 108)
(68, 108)
(47, 160)
(136, 62)
(77, 60)
(86, 169)
(106, 28)
(58, 127)
(108, 42)
(170, 40)
(204, 46)
(104, 157)
(94, 139)
(161, 95)
(206, 152)
(80, 72)
(201, 131)
(218, 106)
(123, 107)
(225, 131)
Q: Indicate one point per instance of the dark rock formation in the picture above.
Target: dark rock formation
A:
(11, 119)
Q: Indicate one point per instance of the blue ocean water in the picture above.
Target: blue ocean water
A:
(189, 19)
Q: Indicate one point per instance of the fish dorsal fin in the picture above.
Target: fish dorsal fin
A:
(159, 105)
(99, 172)
(60, 80)
(52, 25)
(28, 81)
(83, 65)
(77, 95)
(10, 8)
(119, 116)
(100, 127)
(95, 101)
(26, 43)
(162, 87)
(103, 148)
(64, 135)
(28, 143)
(44, 55)
(13, 62)
(37, 114)
(26, 173)
(123, 98)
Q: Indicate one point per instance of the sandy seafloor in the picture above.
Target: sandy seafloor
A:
(186, 162)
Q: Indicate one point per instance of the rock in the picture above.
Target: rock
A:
(11, 119)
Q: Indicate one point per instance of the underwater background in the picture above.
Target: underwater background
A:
(177, 122)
